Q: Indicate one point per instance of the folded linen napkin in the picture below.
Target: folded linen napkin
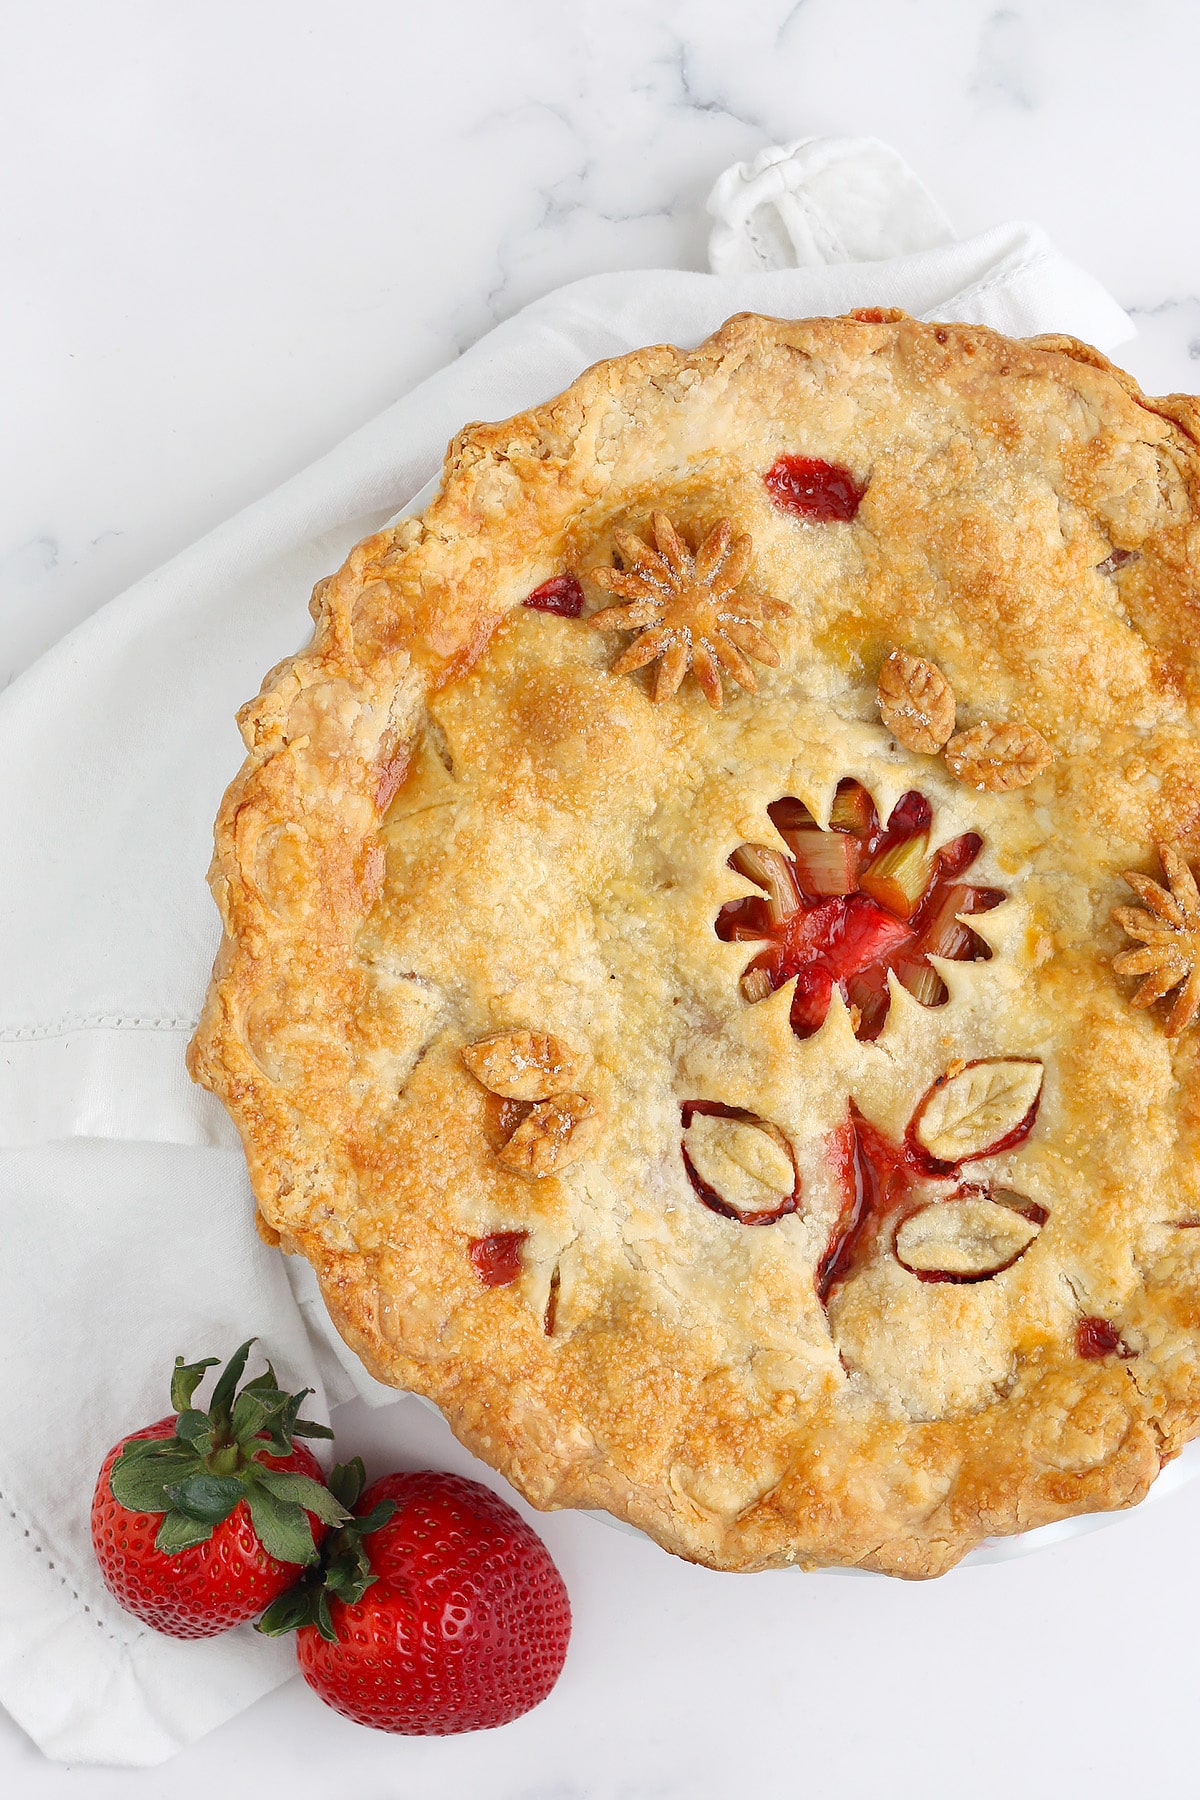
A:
(124, 1201)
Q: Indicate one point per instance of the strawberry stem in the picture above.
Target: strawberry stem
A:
(213, 1460)
(343, 1568)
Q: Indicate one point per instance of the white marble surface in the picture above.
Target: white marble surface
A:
(232, 233)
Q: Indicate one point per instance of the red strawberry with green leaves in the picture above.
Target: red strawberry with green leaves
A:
(201, 1520)
(436, 1608)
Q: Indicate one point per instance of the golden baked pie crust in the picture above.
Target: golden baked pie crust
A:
(456, 820)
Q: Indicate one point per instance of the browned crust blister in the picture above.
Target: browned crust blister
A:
(458, 825)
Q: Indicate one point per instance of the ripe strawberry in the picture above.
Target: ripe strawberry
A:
(437, 1610)
(201, 1520)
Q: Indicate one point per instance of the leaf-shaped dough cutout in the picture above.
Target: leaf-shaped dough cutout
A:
(523, 1065)
(740, 1165)
(746, 1165)
(967, 1239)
(983, 1108)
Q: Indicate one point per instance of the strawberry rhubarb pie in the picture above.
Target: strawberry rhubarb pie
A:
(711, 975)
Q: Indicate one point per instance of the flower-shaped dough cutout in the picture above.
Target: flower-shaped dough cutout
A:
(684, 609)
(1168, 929)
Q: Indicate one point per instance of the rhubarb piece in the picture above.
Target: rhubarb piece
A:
(772, 871)
(755, 984)
(923, 983)
(869, 999)
(898, 877)
(813, 489)
(497, 1257)
(826, 862)
(853, 810)
(942, 930)
(968, 1237)
(790, 816)
(740, 1165)
(743, 921)
(977, 1109)
(562, 594)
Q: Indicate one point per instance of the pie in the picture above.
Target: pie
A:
(712, 953)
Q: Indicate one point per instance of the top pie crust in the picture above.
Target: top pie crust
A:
(456, 821)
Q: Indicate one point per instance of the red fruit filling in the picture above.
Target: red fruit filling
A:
(813, 489)
(882, 1184)
(562, 594)
(497, 1259)
(850, 903)
(875, 1177)
(1095, 1338)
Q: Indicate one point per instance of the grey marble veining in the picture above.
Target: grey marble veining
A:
(217, 263)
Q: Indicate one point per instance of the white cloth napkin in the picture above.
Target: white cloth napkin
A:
(126, 1217)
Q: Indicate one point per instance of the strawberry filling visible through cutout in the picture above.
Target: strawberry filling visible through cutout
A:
(497, 1259)
(875, 1179)
(851, 903)
(815, 490)
(562, 594)
(883, 1183)
(1095, 1338)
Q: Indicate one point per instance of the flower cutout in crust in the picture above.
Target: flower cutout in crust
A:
(684, 609)
(851, 903)
(1168, 929)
